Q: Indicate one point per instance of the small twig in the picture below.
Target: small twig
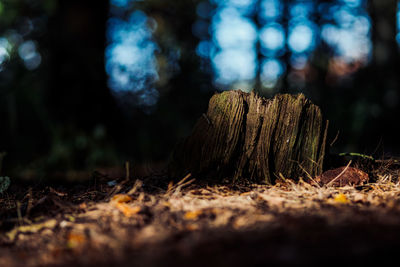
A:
(184, 179)
(30, 201)
(19, 214)
(118, 187)
(309, 176)
(334, 139)
(207, 119)
(306, 172)
(340, 174)
(389, 161)
(127, 170)
(180, 184)
(178, 188)
(187, 183)
(136, 186)
(353, 154)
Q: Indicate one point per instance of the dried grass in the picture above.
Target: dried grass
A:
(187, 210)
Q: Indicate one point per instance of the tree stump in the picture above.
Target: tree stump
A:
(245, 136)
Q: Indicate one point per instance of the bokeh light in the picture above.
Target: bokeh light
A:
(4, 52)
(231, 29)
(350, 37)
(130, 56)
(272, 69)
(234, 65)
(298, 61)
(398, 23)
(272, 37)
(353, 3)
(228, 37)
(29, 54)
(120, 3)
(234, 36)
(243, 6)
(270, 10)
(205, 49)
(301, 38)
(301, 10)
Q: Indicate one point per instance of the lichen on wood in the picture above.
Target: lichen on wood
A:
(245, 136)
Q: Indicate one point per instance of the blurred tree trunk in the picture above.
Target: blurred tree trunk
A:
(78, 93)
(259, 57)
(185, 91)
(379, 82)
(384, 30)
(286, 87)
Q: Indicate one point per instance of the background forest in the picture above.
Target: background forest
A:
(86, 84)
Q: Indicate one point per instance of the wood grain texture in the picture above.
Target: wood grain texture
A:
(244, 136)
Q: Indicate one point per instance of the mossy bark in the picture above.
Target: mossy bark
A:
(244, 136)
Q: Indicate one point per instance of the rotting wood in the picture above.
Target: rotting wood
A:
(245, 136)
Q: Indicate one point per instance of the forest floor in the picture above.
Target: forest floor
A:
(152, 222)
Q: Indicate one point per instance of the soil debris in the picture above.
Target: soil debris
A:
(202, 225)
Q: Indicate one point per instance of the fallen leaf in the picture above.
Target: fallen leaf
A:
(75, 239)
(193, 215)
(341, 198)
(121, 198)
(127, 210)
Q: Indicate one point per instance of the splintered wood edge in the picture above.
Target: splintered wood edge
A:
(218, 145)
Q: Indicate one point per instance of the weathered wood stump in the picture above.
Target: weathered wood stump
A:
(246, 136)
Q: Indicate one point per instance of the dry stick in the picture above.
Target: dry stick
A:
(173, 187)
(177, 190)
(309, 176)
(184, 179)
(182, 183)
(19, 214)
(30, 202)
(387, 161)
(118, 187)
(127, 170)
(334, 139)
(135, 187)
(340, 174)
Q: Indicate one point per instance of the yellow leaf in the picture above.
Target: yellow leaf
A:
(127, 210)
(192, 215)
(34, 228)
(121, 198)
(74, 240)
(170, 186)
(341, 198)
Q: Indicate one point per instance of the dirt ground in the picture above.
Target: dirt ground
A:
(153, 222)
